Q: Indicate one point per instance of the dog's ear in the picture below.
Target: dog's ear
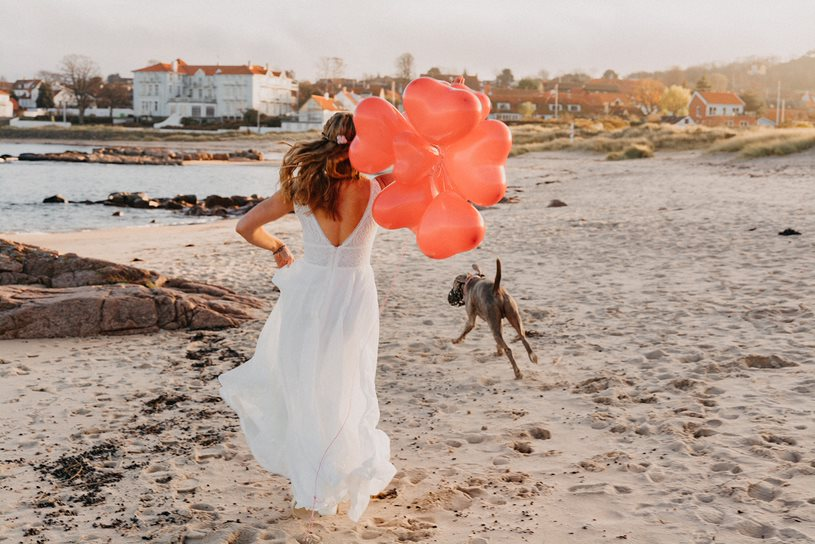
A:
(477, 270)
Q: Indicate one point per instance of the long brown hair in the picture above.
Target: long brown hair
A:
(312, 170)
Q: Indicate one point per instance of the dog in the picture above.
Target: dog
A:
(491, 302)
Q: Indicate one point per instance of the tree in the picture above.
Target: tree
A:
(675, 100)
(703, 84)
(719, 82)
(80, 75)
(752, 102)
(649, 94)
(529, 83)
(543, 75)
(332, 68)
(404, 67)
(610, 74)
(505, 79)
(114, 95)
(434, 73)
(45, 98)
(526, 109)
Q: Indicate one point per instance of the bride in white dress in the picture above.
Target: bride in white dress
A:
(307, 398)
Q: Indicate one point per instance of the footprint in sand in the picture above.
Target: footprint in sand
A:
(755, 529)
(766, 491)
(725, 466)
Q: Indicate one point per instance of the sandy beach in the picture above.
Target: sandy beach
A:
(672, 402)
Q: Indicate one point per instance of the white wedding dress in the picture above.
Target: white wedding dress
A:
(307, 398)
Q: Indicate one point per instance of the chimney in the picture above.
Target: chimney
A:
(487, 89)
(175, 65)
(325, 95)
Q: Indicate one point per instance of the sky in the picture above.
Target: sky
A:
(478, 36)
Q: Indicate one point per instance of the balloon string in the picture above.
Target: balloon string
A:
(310, 523)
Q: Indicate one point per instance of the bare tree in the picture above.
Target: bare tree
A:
(331, 68)
(80, 75)
(52, 78)
(404, 67)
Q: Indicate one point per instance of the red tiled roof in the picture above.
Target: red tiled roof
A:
(208, 69)
(721, 98)
(3, 91)
(325, 103)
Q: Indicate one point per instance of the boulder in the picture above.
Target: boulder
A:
(44, 295)
(56, 199)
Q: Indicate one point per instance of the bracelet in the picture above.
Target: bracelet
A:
(278, 250)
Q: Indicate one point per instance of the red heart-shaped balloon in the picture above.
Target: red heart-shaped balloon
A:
(401, 205)
(415, 158)
(377, 123)
(486, 105)
(450, 225)
(440, 112)
(475, 163)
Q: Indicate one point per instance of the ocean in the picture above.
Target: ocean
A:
(23, 186)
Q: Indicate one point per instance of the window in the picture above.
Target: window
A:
(574, 107)
(503, 106)
(155, 106)
(743, 124)
(711, 110)
(210, 111)
(698, 111)
(196, 111)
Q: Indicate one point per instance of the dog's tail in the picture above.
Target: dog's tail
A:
(496, 285)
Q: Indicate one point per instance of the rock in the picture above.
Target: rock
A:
(56, 199)
(117, 214)
(217, 201)
(789, 232)
(192, 200)
(556, 204)
(47, 295)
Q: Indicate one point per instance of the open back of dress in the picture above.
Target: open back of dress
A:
(307, 398)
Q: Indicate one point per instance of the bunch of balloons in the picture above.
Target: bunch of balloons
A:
(445, 155)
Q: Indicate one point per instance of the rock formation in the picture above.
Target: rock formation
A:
(44, 295)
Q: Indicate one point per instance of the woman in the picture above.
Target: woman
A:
(307, 399)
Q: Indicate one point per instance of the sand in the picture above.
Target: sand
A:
(672, 402)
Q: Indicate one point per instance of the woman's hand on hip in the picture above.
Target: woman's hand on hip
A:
(283, 256)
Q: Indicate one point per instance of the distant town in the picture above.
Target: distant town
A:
(178, 95)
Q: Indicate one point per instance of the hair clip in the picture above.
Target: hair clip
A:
(342, 139)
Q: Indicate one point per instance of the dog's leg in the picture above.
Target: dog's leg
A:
(513, 315)
(495, 325)
(468, 327)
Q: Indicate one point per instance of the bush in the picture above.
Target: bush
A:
(636, 151)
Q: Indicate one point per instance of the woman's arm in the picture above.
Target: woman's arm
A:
(250, 227)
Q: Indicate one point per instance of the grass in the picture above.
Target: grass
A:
(635, 151)
(768, 143)
(603, 137)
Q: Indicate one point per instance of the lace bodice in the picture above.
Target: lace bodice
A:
(354, 251)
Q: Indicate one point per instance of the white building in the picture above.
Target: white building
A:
(27, 91)
(6, 106)
(179, 88)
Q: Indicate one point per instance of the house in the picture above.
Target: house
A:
(317, 110)
(209, 91)
(808, 101)
(347, 100)
(719, 109)
(27, 91)
(678, 120)
(6, 105)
